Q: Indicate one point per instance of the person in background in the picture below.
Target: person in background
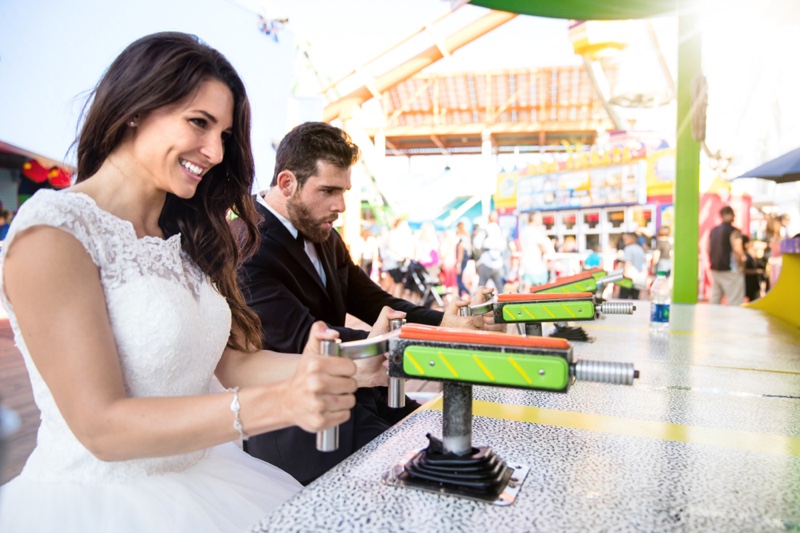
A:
(463, 255)
(568, 263)
(5, 223)
(398, 250)
(369, 251)
(634, 266)
(426, 249)
(753, 274)
(727, 260)
(122, 295)
(785, 220)
(476, 230)
(447, 259)
(492, 245)
(534, 245)
(619, 245)
(775, 234)
(594, 259)
(570, 245)
(511, 262)
(643, 239)
(662, 255)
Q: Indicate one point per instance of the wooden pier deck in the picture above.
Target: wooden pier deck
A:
(15, 394)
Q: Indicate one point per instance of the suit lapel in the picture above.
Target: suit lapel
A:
(273, 229)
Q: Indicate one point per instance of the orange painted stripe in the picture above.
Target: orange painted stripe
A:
(533, 298)
(421, 332)
(563, 281)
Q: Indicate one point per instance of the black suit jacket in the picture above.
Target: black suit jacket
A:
(281, 285)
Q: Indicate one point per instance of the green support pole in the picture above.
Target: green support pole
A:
(687, 162)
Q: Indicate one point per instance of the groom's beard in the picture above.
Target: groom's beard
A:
(302, 219)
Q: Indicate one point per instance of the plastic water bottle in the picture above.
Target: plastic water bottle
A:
(660, 298)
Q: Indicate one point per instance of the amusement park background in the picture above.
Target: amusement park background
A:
(459, 110)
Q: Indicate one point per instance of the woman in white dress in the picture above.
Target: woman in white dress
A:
(122, 296)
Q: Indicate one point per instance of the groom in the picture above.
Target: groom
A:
(302, 273)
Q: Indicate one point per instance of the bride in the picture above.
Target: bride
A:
(122, 296)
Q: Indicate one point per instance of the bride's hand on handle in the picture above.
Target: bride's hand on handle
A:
(320, 393)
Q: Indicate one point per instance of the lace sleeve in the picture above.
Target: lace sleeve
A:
(65, 211)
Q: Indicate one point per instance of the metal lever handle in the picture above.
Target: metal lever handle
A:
(611, 277)
(365, 348)
(328, 439)
(477, 309)
(397, 386)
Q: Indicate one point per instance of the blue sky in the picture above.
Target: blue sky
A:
(53, 52)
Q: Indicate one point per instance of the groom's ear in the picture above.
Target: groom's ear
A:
(287, 183)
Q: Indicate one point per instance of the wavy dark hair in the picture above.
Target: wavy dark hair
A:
(307, 144)
(156, 71)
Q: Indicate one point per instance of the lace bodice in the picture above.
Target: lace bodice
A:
(169, 322)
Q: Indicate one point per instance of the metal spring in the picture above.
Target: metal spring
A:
(617, 308)
(605, 372)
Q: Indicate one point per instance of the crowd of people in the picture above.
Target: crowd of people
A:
(481, 253)
(464, 258)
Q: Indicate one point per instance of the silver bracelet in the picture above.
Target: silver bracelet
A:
(235, 406)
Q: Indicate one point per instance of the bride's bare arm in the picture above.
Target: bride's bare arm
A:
(60, 306)
(238, 368)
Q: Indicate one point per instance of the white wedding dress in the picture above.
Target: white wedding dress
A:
(170, 326)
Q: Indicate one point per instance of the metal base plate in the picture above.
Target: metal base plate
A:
(398, 477)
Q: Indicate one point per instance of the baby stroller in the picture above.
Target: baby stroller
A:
(425, 288)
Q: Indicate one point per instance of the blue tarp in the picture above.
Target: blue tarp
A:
(441, 220)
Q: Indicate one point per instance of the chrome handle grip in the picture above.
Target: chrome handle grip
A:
(328, 439)
(397, 386)
(612, 277)
(364, 348)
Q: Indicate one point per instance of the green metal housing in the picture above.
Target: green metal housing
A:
(544, 311)
(539, 369)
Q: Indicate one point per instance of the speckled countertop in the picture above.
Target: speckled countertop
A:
(708, 439)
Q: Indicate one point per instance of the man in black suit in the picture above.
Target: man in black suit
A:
(302, 273)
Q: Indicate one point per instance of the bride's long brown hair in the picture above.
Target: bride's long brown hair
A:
(156, 71)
